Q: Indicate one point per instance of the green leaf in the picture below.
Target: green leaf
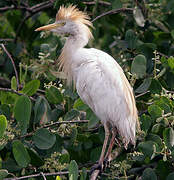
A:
(158, 129)
(131, 39)
(13, 83)
(53, 95)
(71, 115)
(93, 119)
(43, 139)
(168, 136)
(20, 153)
(35, 158)
(155, 138)
(165, 104)
(138, 16)
(58, 178)
(95, 154)
(116, 4)
(170, 79)
(149, 174)
(42, 111)
(147, 50)
(79, 105)
(74, 133)
(163, 169)
(144, 86)
(5, 110)
(58, 145)
(146, 122)
(65, 157)
(138, 66)
(3, 125)
(31, 87)
(70, 93)
(11, 165)
(43, 18)
(73, 170)
(3, 173)
(45, 48)
(155, 87)
(22, 112)
(56, 113)
(170, 176)
(147, 148)
(172, 33)
(155, 111)
(83, 174)
(171, 62)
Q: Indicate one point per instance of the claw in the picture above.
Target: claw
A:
(97, 166)
(106, 163)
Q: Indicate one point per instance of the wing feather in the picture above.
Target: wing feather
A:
(102, 85)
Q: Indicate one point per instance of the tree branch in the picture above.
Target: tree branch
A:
(6, 39)
(113, 11)
(3, 9)
(54, 124)
(66, 122)
(142, 94)
(15, 92)
(116, 153)
(12, 61)
(100, 2)
(43, 175)
(13, 7)
(38, 175)
(34, 9)
(24, 7)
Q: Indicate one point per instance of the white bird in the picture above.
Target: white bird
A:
(99, 79)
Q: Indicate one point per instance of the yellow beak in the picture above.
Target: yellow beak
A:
(48, 27)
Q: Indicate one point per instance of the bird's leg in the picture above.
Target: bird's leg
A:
(108, 154)
(100, 162)
(107, 133)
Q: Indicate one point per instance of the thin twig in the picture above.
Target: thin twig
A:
(100, 2)
(3, 9)
(6, 39)
(43, 175)
(23, 7)
(14, 66)
(54, 124)
(34, 9)
(65, 122)
(38, 175)
(15, 5)
(142, 94)
(113, 11)
(15, 92)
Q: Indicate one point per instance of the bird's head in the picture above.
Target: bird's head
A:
(70, 21)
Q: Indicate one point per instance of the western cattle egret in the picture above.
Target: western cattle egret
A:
(99, 80)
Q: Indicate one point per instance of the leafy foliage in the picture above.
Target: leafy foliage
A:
(43, 122)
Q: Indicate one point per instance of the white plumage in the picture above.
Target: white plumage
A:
(99, 80)
(101, 84)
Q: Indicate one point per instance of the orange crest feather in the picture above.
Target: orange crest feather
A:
(74, 14)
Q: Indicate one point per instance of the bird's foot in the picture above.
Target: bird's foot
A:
(98, 166)
(106, 162)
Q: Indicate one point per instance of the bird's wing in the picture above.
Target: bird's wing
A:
(102, 85)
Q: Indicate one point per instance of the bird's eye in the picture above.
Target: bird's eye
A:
(63, 23)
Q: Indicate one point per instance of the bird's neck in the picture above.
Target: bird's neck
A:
(67, 56)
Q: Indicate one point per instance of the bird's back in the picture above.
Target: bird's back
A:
(101, 84)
